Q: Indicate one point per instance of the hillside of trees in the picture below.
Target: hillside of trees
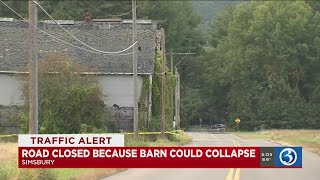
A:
(209, 10)
(264, 67)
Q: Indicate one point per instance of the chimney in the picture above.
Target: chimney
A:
(87, 17)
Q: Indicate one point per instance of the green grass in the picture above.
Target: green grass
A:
(70, 173)
(159, 142)
(309, 139)
(9, 171)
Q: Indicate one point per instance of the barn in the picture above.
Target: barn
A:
(114, 71)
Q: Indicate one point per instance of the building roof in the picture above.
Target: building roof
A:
(102, 35)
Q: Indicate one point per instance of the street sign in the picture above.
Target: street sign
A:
(237, 120)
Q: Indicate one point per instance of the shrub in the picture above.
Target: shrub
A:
(67, 98)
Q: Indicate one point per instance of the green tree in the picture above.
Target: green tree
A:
(19, 6)
(314, 4)
(264, 65)
(69, 101)
(179, 20)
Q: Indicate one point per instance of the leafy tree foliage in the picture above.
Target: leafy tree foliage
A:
(69, 10)
(156, 94)
(314, 4)
(209, 10)
(69, 102)
(179, 20)
(265, 67)
(20, 6)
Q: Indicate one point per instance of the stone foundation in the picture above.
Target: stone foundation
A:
(7, 124)
(122, 118)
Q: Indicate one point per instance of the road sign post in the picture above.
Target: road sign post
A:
(238, 122)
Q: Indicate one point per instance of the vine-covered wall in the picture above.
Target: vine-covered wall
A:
(156, 94)
(143, 104)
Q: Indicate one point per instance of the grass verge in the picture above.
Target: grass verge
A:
(175, 140)
(9, 168)
(308, 139)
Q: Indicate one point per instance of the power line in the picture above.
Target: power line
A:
(110, 14)
(77, 47)
(181, 60)
(104, 52)
(177, 88)
(186, 55)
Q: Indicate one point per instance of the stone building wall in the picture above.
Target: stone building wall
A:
(7, 123)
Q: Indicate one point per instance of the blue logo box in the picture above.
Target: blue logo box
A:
(288, 156)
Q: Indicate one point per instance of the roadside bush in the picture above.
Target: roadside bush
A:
(155, 124)
(67, 98)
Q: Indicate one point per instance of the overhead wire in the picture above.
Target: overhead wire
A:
(77, 47)
(110, 14)
(181, 60)
(104, 52)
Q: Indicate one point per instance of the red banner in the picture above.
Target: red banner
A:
(139, 157)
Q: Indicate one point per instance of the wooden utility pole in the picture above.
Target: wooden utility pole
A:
(177, 96)
(176, 99)
(135, 88)
(175, 103)
(172, 93)
(33, 69)
(163, 97)
(171, 58)
(150, 101)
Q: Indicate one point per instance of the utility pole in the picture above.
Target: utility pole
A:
(175, 103)
(171, 58)
(135, 88)
(172, 93)
(163, 97)
(178, 99)
(33, 69)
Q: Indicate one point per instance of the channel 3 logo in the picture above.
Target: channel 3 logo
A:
(288, 156)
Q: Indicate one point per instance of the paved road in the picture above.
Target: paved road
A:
(310, 170)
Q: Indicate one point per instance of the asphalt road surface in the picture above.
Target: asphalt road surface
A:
(310, 163)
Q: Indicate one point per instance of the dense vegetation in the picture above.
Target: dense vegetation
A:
(209, 10)
(69, 102)
(263, 64)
